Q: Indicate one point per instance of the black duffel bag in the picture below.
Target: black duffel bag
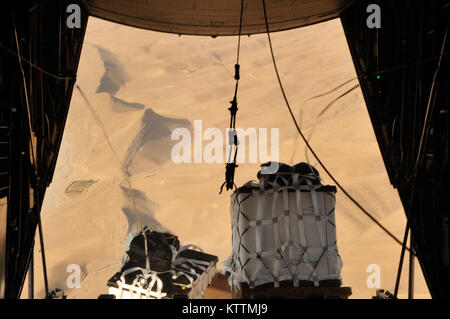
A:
(160, 249)
(284, 173)
(308, 171)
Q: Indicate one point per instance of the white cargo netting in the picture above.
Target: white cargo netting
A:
(155, 266)
(284, 230)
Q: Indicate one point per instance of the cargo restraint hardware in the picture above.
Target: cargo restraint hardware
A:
(230, 167)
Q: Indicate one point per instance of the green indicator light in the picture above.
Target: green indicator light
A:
(378, 77)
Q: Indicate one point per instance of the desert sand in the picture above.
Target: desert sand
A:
(143, 84)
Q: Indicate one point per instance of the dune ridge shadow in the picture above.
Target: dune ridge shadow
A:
(143, 213)
(115, 75)
(121, 106)
(153, 142)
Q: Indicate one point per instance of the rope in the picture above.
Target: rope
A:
(333, 89)
(230, 167)
(36, 191)
(337, 99)
(426, 123)
(34, 65)
(309, 146)
(108, 141)
(124, 171)
(58, 77)
(30, 127)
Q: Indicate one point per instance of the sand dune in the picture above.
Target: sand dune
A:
(142, 85)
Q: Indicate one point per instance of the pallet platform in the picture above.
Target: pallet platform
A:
(219, 288)
(295, 293)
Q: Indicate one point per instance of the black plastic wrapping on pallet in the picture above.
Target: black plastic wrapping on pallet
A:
(271, 171)
(176, 268)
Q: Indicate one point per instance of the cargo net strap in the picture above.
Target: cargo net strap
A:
(148, 282)
(189, 264)
(290, 258)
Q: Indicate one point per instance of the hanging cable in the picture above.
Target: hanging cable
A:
(142, 228)
(58, 77)
(423, 138)
(108, 141)
(230, 167)
(33, 157)
(332, 90)
(309, 146)
(337, 99)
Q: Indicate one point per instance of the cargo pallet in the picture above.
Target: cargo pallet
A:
(127, 289)
(219, 288)
(294, 293)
